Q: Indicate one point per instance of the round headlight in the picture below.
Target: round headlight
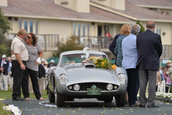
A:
(115, 87)
(76, 87)
(122, 78)
(63, 79)
(70, 87)
(109, 87)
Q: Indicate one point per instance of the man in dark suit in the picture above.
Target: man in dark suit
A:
(149, 48)
(4, 73)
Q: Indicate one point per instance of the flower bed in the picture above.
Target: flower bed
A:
(164, 95)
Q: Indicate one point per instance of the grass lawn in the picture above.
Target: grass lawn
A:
(8, 95)
(2, 111)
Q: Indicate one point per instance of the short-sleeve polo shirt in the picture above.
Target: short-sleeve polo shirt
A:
(18, 46)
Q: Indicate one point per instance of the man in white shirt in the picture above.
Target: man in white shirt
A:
(19, 58)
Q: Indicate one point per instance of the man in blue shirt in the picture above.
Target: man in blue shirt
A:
(129, 52)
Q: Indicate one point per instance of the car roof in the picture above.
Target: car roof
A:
(82, 51)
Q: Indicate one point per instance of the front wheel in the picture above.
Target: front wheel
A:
(108, 99)
(51, 96)
(59, 99)
(120, 100)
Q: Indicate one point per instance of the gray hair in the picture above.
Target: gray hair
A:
(135, 29)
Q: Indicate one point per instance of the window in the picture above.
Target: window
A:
(79, 29)
(28, 25)
(83, 30)
(20, 23)
(88, 29)
(158, 31)
(31, 26)
(74, 29)
(25, 25)
(36, 26)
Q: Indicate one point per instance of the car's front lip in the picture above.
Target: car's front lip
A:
(63, 89)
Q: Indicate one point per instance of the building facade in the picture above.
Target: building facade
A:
(94, 21)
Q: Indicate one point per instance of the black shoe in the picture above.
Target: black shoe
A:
(18, 99)
(153, 106)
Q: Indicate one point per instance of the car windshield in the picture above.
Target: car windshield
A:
(72, 59)
(97, 55)
(77, 59)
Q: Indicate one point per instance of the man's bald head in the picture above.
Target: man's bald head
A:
(150, 25)
(22, 33)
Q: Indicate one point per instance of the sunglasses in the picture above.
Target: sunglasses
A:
(29, 37)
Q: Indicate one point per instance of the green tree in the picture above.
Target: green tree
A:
(4, 27)
(71, 44)
(142, 29)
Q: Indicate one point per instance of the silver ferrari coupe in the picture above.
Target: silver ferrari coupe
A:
(74, 77)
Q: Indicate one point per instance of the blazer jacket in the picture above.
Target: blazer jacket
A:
(149, 49)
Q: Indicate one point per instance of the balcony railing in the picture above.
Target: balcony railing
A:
(51, 42)
(48, 42)
(96, 43)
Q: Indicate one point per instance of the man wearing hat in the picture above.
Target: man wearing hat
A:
(4, 73)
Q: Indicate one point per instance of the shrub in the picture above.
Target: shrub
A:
(71, 44)
(142, 29)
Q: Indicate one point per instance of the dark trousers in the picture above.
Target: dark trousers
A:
(34, 79)
(145, 77)
(133, 85)
(18, 75)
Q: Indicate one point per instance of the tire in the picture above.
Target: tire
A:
(108, 99)
(59, 100)
(69, 99)
(120, 100)
(51, 96)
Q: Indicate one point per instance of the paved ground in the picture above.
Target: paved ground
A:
(87, 107)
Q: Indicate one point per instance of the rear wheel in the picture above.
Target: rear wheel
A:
(59, 99)
(120, 100)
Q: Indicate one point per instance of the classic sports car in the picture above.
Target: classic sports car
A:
(75, 78)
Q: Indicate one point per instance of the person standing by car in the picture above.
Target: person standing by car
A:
(149, 49)
(125, 31)
(129, 52)
(41, 75)
(4, 73)
(19, 58)
(113, 44)
(35, 53)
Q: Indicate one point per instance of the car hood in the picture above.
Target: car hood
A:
(83, 75)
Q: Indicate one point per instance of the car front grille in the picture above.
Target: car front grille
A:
(84, 86)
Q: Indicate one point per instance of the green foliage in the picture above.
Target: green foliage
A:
(142, 29)
(71, 44)
(4, 27)
(5, 47)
